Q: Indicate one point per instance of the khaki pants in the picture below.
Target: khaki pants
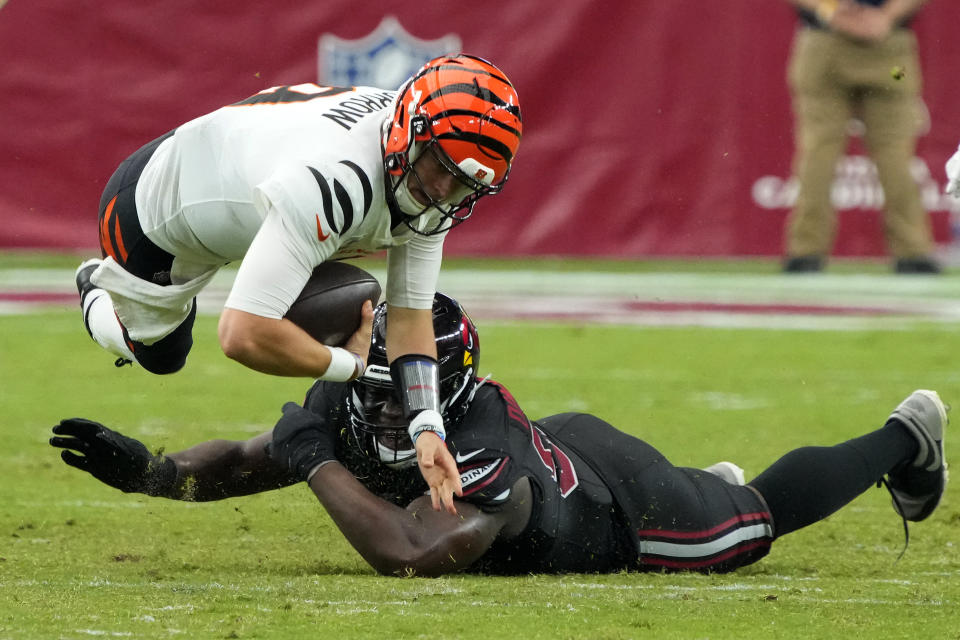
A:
(833, 79)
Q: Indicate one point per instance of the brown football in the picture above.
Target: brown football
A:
(328, 308)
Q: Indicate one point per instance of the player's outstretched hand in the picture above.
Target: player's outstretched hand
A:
(359, 342)
(302, 441)
(113, 458)
(439, 470)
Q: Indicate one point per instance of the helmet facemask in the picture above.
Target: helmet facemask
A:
(376, 412)
(456, 206)
(374, 407)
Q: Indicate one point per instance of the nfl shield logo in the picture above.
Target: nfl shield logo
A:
(384, 58)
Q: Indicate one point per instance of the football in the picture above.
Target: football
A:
(328, 308)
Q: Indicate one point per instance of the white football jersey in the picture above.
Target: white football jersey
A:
(283, 181)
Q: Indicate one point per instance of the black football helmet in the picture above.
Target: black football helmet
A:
(376, 416)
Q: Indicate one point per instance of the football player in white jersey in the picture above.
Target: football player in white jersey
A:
(283, 181)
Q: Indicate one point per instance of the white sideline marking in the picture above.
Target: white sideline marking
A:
(732, 592)
(824, 301)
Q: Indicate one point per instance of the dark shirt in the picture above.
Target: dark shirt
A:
(574, 526)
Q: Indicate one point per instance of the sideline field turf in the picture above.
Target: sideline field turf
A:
(80, 560)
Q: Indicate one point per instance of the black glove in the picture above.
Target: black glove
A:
(113, 458)
(302, 440)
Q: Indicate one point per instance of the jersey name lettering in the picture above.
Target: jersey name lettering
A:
(469, 476)
(349, 111)
(345, 114)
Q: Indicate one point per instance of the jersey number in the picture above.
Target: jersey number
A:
(553, 458)
(292, 93)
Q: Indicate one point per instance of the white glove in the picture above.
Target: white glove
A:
(953, 174)
(426, 420)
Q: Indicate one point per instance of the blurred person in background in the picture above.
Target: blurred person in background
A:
(856, 58)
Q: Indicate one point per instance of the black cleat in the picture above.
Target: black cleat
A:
(84, 271)
(922, 265)
(803, 264)
(84, 287)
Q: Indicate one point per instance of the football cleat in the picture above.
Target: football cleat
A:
(85, 287)
(727, 471)
(84, 271)
(917, 485)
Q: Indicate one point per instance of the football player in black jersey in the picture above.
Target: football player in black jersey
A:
(568, 493)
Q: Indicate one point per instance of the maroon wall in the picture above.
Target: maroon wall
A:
(651, 128)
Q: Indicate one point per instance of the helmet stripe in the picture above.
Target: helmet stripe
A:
(486, 143)
(468, 88)
(450, 113)
(459, 67)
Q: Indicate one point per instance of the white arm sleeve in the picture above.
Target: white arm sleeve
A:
(412, 272)
(272, 273)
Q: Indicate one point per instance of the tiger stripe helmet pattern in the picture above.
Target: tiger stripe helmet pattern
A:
(467, 110)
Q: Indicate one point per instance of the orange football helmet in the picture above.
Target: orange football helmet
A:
(467, 112)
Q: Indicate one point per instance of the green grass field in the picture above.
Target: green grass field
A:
(80, 560)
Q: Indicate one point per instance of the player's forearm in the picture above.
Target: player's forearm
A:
(269, 345)
(220, 469)
(371, 525)
(392, 540)
(410, 331)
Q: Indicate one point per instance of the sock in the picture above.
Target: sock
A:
(103, 325)
(808, 484)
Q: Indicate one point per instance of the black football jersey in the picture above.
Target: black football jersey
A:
(574, 525)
